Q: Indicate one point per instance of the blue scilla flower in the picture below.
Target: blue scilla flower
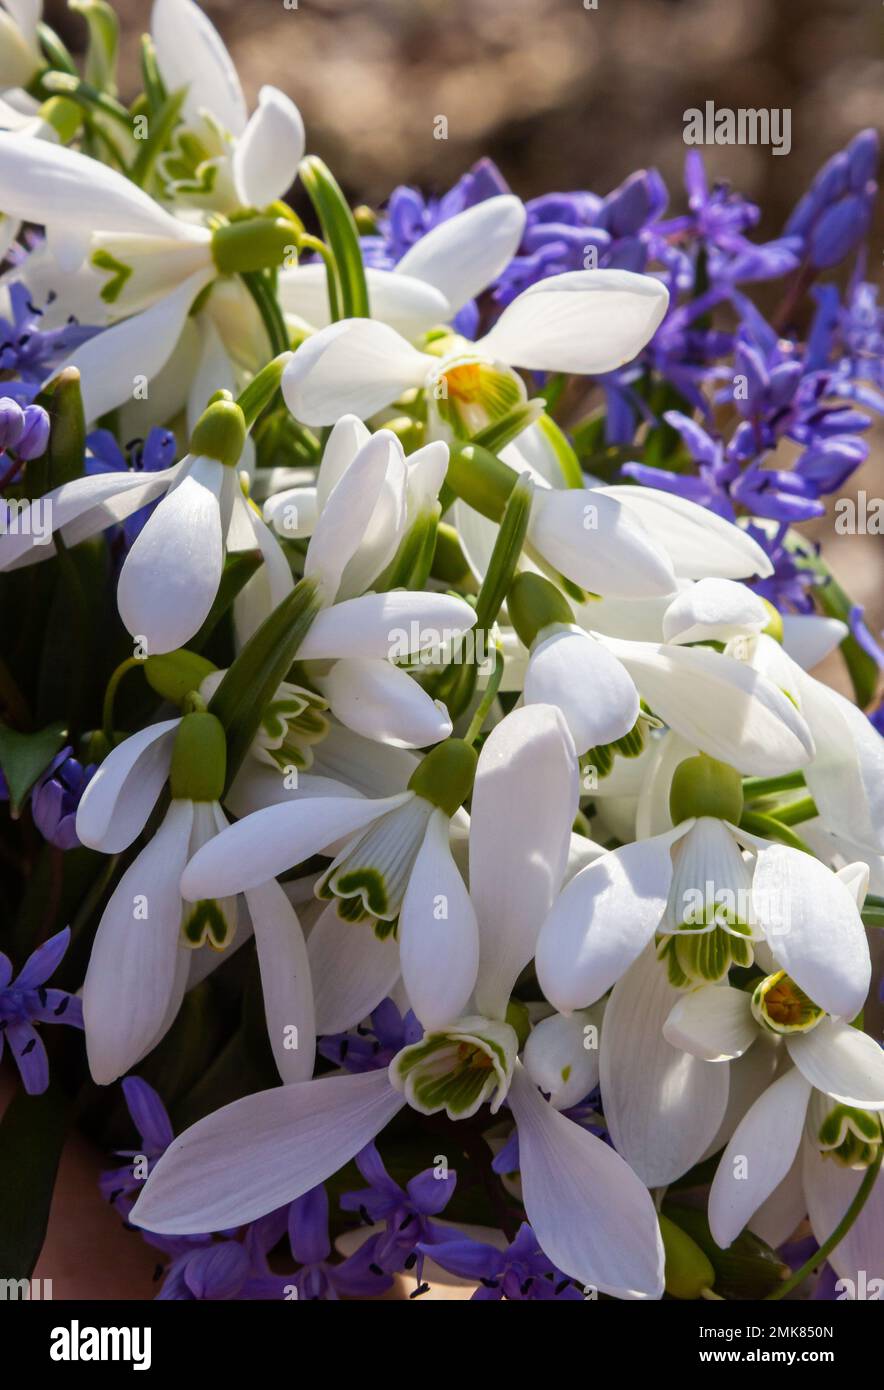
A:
(406, 1212)
(56, 796)
(373, 1046)
(835, 214)
(26, 1001)
(29, 352)
(320, 1275)
(149, 455)
(520, 1273)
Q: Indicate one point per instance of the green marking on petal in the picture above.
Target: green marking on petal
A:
(117, 270)
(206, 924)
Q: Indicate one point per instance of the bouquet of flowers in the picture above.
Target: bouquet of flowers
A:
(418, 796)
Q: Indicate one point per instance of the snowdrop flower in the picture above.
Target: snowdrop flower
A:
(693, 886)
(583, 321)
(228, 160)
(171, 574)
(846, 775)
(132, 264)
(592, 1216)
(144, 948)
(596, 681)
(827, 1103)
(441, 272)
(20, 55)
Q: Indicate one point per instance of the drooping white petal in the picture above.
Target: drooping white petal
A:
(357, 366)
(562, 1056)
(662, 1106)
(263, 1151)
(591, 1214)
(783, 1211)
(171, 575)
(388, 626)
(585, 321)
(344, 444)
(78, 509)
(461, 256)
(438, 934)
(701, 543)
(264, 844)
(721, 706)
(285, 981)
(809, 637)
(830, 1189)
(351, 968)
(191, 54)
(342, 526)
(758, 1157)
(524, 802)
(841, 1061)
(407, 304)
(45, 183)
(124, 789)
(267, 154)
(590, 687)
(813, 927)
(133, 971)
(714, 610)
(247, 529)
(113, 363)
(603, 920)
(713, 1022)
(377, 699)
(846, 778)
(593, 541)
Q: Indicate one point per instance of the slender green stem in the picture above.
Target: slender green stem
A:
(755, 787)
(268, 307)
(55, 50)
(313, 243)
(107, 712)
(262, 388)
(840, 1231)
(794, 812)
(64, 84)
(772, 829)
(490, 695)
(873, 911)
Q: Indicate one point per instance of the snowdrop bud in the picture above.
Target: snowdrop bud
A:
(779, 1005)
(688, 1271)
(445, 775)
(534, 604)
(175, 674)
(258, 243)
(702, 786)
(220, 432)
(199, 759)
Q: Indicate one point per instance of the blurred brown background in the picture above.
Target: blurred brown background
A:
(563, 95)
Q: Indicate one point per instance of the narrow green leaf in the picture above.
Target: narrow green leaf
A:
(341, 234)
(24, 756)
(31, 1138)
(252, 681)
(238, 570)
(104, 32)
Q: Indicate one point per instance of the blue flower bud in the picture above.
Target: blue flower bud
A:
(862, 152)
(35, 433)
(12, 423)
(838, 230)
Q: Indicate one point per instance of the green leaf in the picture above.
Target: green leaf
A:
(835, 602)
(31, 1137)
(264, 662)
(160, 127)
(341, 234)
(24, 756)
(238, 570)
(104, 31)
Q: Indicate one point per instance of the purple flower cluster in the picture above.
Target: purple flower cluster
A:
(26, 1001)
